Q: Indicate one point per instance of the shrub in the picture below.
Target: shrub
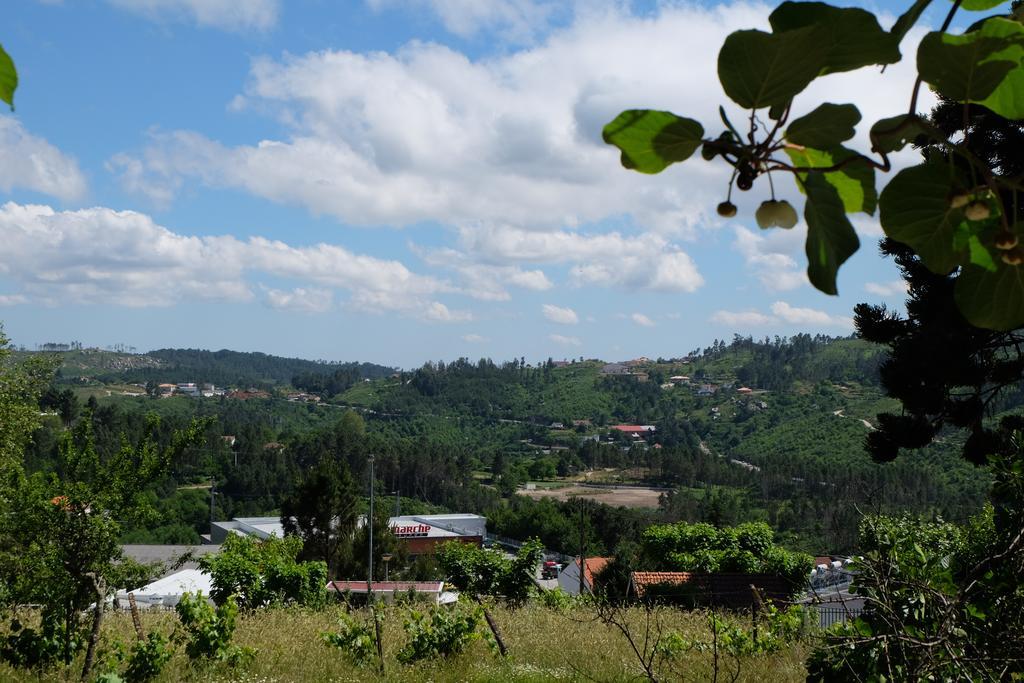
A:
(147, 658)
(356, 639)
(207, 632)
(260, 573)
(442, 633)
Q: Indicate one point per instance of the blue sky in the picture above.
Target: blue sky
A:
(393, 181)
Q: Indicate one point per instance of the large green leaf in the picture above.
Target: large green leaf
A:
(895, 133)
(759, 69)
(1008, 98)
(993, 300)
(980, 5)
(651, 140)
(831, 238)
(853, 36)
(970, 67)
(915, 209)
(855, 182)
(8, 78)
(827, 126)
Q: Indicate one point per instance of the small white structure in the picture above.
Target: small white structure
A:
(167, 592)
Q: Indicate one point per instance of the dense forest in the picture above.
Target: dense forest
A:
(464, 436)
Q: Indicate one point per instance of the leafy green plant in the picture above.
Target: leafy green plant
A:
(355, 638)
(480, 571)
(953, 208)
(147, 658)
(260, 573)
(703, 548)
(34, 648)
(207, 632)
(443, 632)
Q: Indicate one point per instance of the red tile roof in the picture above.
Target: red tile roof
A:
(642, 580)
(593, 566)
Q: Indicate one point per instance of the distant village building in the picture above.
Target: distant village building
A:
(615, 369)
(421, 533)
(569, 578)
(744, 390)
(636, 431)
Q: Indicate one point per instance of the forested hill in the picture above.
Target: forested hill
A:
(223, 368)
(630, 390)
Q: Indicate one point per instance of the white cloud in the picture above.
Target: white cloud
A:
(768, 256)
(300, 299)
(438, 312)
(646, 261)
(741, 319)
(557, 314)
(12, 300)
(30, 162)
(782, 313)
(474, 338)
(508, 148)
(100, 255)
(642, 320)
(516, 19)
(807, 316)
(233, 15)
(565, 341)
(893, 288)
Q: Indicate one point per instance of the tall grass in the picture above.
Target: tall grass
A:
(544, 645)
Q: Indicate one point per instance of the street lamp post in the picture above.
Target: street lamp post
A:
(387, 558)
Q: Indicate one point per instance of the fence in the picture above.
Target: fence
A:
(827, 616)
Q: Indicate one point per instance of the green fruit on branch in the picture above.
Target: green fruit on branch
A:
(776, 214)
(1006, 241)
(959, 201)
(726, 209)
(977, 211)
(1013, 257)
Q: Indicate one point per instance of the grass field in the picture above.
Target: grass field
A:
(544, 645)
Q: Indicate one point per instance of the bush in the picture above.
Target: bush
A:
(442, 633)
(147, 658)
(207, 632)
(706, 549)
(260, 573)
(356, 639)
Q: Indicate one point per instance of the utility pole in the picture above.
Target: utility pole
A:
(583, 546)
(398, 505)
(212, 494)
(369, 521)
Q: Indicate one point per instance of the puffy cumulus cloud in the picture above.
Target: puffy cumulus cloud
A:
(782, 313)
(807, 316)
(509, 143)
(557, 314)
(892, 288)
(232, 15)
(741, 319)
(438, 312)
(769, 257)
(562, 340)
(427, 133)
(517, 20)
(29, 162)
(646, 261)
(300, 299)
(485, 281)
(100, 255)
(642, 320)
